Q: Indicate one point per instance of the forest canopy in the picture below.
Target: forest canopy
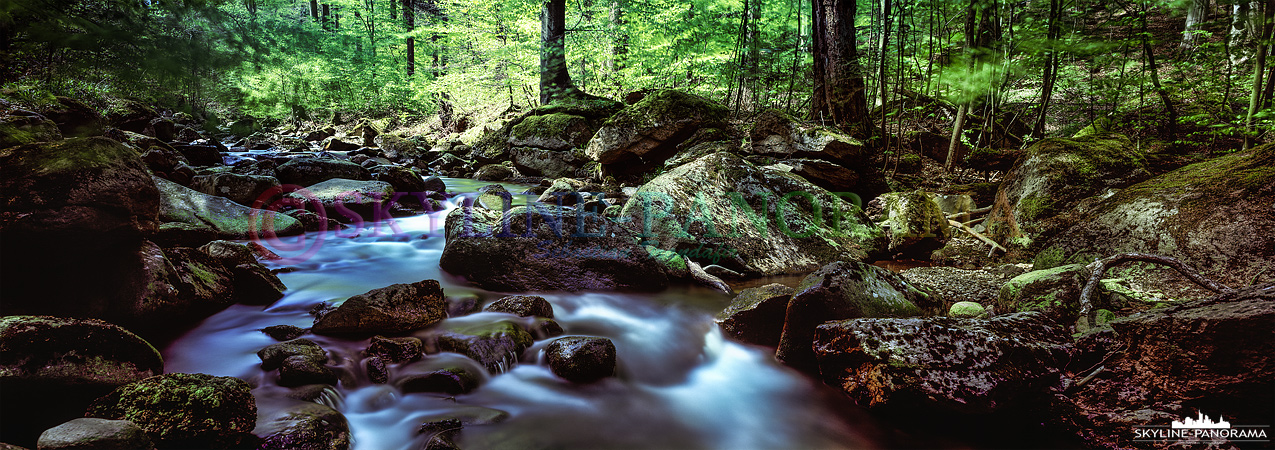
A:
(1184, 68)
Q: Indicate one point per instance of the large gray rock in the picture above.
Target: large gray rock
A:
(311, 171)
(548, 163)
(305, 426)
(88, 433)
(182, 410)
(646, 133)
(497, 346)
(957, 365)
(242, 189)
(720, 209)
(193, 217)
(1056, 174)
(546, 249)
(842, 290)
(581, 359)
(398, 308)
(64, 362)
(401, 178)
(1215, 215)
(914, 222)
(756, 315)
(350, 200)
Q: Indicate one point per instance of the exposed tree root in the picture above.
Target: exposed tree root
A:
(1099, 267)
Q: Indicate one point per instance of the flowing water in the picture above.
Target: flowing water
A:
(679, 383)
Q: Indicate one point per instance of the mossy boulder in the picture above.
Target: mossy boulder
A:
(557, 127)
(74, 118)
(311, 171)
(546, 248)
(394, 309)
(24, 127)
(1053, 176)
(1214, 215)
(942, 367)
(305, 426)
(183, 410)
(496, 346)
(64, 363)
(723, 210)
(556, 131)
(966, 310)
(783, 137)
(914, 222)
(581, 359)
(838, 291)
(1054, 291)
(643, 135)
(96, 434)
(755, 316)
(493, 172)
(193, 218)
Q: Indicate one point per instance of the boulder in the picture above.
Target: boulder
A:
(779, 135)
(193, 217)
(755, 316)
(556, 131)
(200, 155)
(88, 433)
(254, 284)
(1214, 356)
(838, 291)
(401, 178)
(496, 346)
(643, 135)
(563, 191)
(397, 148)
(1215, 215)
(1053, 176)
(305, 426)
(131, 115)
(182, 410)
(548, 163)
(943, 365)
(545, 248)
(915, 224)
(824, 174)
(64, 362)
(581, 359)
(493, 172)
(75, 119)
(284, 332)
(398, 308)
(350, 201)
(450, 381)
(1054, 291)
(311, 171)
(966, 310)
(435, 184)
(723, 210)
(242, 189)
(446, 163)
(273, 355)
(395, 350)
(335, 144)
(25, 127)
(523, 306)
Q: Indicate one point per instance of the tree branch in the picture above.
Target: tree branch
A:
(1097, 268)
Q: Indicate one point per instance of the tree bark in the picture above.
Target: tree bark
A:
(326, 11)
(619, 40)
(1196, 13)
(1052, 33)
(1259, 71)
(555, 82)
(1160, 90)
(314, 10)
(840, 95)
(409, 24)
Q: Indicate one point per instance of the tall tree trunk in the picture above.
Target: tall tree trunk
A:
(1259, 71)
(839, 89)
(314, 10)
(326, 11)
(1154, 68)
(1052, 33)
(555, 82)
(619, 39)
(1196, 13)
(409, 24)
(1246, 20)
(957, 128)
(885, 40)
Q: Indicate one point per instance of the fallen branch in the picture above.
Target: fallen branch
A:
(976, 234)
(971, 213)
(1099, 267)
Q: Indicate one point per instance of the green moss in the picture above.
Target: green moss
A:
(667, 103)
(1034, 207)
(555, 124)
(71, 154)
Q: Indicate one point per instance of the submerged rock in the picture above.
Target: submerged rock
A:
(496, 346)
(755, 316)
(523, 306)
(306, 426)
(720, 209)
(395, 350)
(956, 365)
(88, 433)
(450, 381)
(580, 359)
(397, 308)
(842, 290)
(183, 410)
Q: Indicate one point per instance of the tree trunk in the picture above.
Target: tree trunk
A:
(555, 82)
(1259, 71)
(619, 40)
(409, 24)
(1245, 26)
(955, 141)
(881, 68)
(839, 89)
(1196, 14)
(314, 10)
(1155, 78)
(326, 11)
(1050, 74)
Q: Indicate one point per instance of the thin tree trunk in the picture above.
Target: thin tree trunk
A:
(314, 10)
(409, 24)
(1196, 13)
(619, 40)
(555, 82)
(957, 128)
(1259, 71)
(326, 11)
(1051, 66)
(885, 40)
(1155, 78)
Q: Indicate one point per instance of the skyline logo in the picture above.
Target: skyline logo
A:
(1202, 421)
(1201, 428)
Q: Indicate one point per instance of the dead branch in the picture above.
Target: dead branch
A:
(1099, 267)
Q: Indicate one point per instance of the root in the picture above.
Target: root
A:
(1099, 267)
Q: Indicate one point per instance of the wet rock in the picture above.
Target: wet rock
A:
(283, 332)
(1055, 292)
(306, 426)
(64, 362)
(546, 249)
(395, 350)
(397, 308)
(548, 163)
(495, 346)
(581, 359)
(523, 306)
(956, 365)
(562, 192)
(966, 310)
(181, 410)
(25, 127)
(193, 218)
(272, 356)
(75, 119)
(336, 144)
(350, 200)
(954, 204)
(401, 178)
(842, 290)
(646, 133)
(377, 371)
(915, 224)
(543, 328)
(88, 433)
(463, 305)
(242, 189)
(200, 155)
(722, 210)
(494, 197)
(435, 184)
(446, 163)
(311, 171)
(1215, 215)
(302, 370)
(254, 284)
(1053, 176)
(493, 172)
(1212, 356)
(755, 316)
(439, 434)
(450, 381)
